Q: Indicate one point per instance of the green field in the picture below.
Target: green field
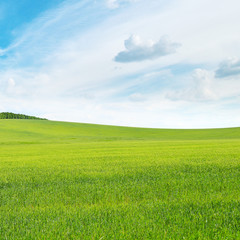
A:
(81, 181)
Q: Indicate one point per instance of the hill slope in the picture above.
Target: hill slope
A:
(11, 130)
(80, 181)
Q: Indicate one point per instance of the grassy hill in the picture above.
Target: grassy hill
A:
(15, 130)
(63, 180)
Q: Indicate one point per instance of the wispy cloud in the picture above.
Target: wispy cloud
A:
(2, 52)
(137, 50)
(113, 4)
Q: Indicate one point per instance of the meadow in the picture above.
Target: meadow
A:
(63, 180)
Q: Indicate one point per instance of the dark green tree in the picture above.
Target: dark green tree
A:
(9, 115)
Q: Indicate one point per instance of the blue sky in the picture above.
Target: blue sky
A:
(155, 63)
(14, 15)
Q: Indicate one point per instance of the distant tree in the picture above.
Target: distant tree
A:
(9, 115)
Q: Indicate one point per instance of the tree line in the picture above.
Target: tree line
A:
(9, 115)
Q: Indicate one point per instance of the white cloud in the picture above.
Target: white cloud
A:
(11, 88)
(200, 88)
(11, 82)
(137, 97)
(230, 67)
(137, 50)
(2, 52)
(113, 4)
(203, 86)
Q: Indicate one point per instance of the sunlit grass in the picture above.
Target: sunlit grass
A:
(79, 181)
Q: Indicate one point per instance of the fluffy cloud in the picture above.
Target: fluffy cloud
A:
(203, 86)
(137, 50)
(200, 89)
(228, 68)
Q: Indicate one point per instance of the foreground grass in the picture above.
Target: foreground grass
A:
(79, 181)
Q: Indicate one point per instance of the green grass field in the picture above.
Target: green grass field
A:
(81, 181)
